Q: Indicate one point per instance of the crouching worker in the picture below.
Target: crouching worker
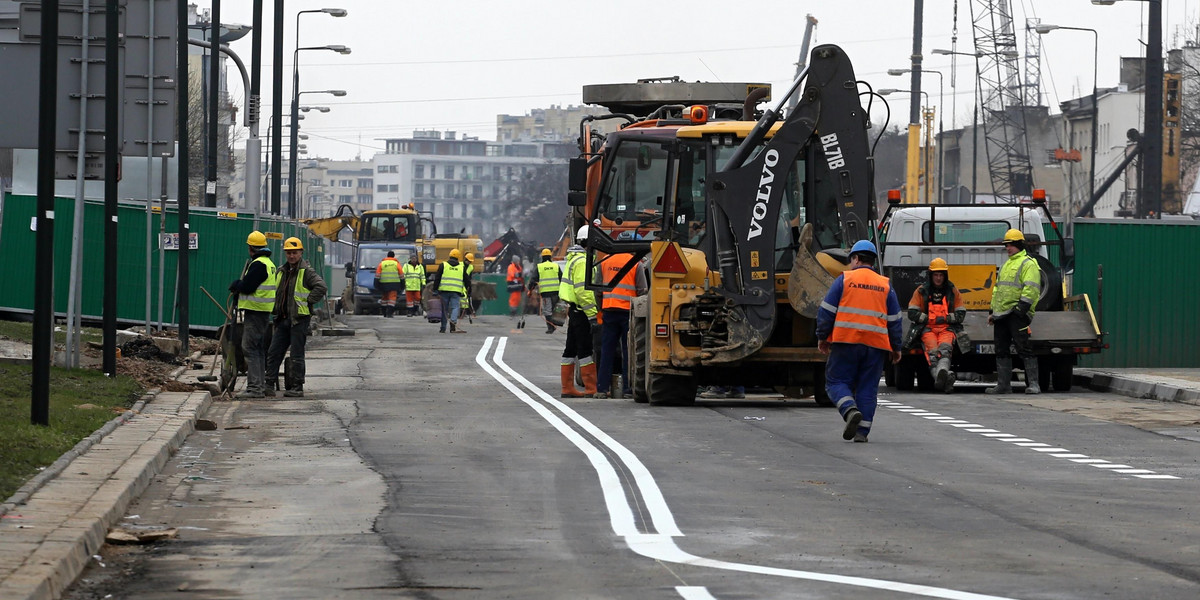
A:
(936, 312)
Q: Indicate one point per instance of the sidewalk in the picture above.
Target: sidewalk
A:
(59, 520)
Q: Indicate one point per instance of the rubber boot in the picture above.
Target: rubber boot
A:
(588, 372)
(567, 376)
(941, 375)
(1003, 377)
(1031, 376)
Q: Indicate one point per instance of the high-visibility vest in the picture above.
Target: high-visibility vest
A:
(263, 298)
(452, 279)
(547, 277)
(1019, 278)
(414, 277)
(625, 291)
(862, 316)
(571, 287)
(301, 295)
(389, 270)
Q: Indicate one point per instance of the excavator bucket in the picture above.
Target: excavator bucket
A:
(812, 274)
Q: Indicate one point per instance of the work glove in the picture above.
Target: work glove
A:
(922, 317)
(940, 321)
(235, 286)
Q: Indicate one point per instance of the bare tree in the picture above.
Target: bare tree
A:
(538, 208)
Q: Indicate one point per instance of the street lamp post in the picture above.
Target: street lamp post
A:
(1151, 191)
(914, 132)
(1043, 29)
(941, 129)
(333, 12)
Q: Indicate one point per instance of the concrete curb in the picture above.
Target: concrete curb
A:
(46, 556)
(1141, 387)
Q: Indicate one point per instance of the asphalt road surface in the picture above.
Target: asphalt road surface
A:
(426, 465)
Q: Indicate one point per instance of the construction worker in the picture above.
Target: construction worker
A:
(300, 287)
(1014, 295)
(387, 281)
(515, 278)
(450, 281)
(256, 300)
(615, 307)
(937, 313)
(581, 318)
(545, 280)
(858, 326)
(469, 264)
(414, 280)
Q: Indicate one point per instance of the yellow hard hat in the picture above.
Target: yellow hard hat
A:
(938, 264)
(470, 257)
(256, 238)
(293, 243)
(1013, 235)
(545, 252)
(455, 253)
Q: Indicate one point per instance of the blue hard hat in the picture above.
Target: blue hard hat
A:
(864, 246)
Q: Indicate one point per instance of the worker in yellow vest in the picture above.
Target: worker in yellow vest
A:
(256, 300)
(545, 280)
(299, 288)
(581, 319)
(414, 281)
(450, 281)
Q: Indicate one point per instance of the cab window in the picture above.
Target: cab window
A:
(636, 184)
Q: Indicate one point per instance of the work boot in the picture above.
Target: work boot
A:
(942, 375)
(1031, 376)
(567, 376)
(860, 438)
(549, 327)
(453, 327)
(588, 372)
(249, 395)
(853, 418)
(1003, 377)
(296, 393)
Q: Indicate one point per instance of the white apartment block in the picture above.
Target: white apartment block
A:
(464, 182)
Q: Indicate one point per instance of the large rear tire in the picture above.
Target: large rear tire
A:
(820, 394)
(637, 359)
(1064, 374)
(904, 375)
(671, 390)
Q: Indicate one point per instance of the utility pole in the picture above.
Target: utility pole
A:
(1152, 133)
(43, 278)
(914, 113)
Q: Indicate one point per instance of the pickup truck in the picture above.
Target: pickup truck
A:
(969, 238)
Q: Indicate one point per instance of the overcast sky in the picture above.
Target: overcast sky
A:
(456, 64)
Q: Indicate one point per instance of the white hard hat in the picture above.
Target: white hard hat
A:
(582, 234)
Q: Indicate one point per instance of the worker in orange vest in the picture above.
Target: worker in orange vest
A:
(614, 309)
(515, 278)
(937, 313)
(858, 326)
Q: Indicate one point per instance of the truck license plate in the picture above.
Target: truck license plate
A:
(986, 348)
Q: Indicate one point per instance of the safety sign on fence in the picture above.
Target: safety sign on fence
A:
(170, 241)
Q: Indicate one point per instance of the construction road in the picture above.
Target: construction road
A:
(427, 465)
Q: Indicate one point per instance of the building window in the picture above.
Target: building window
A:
(433, 190)
(345, 199)
(495, 172)
(365, 183)
(433, 171)
(462, 211)
(381, 169)
(477, 192)
(478, 172)
(419, 190)
(419, 171)
(381, 188)
(365, 198)
(346, 183)
(449, 171)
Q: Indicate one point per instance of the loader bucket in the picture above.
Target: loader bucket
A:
(811, 276)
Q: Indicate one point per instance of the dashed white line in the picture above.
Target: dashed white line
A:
(1036, 446)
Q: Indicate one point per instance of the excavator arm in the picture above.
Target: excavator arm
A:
(330, 227)
(830, 125)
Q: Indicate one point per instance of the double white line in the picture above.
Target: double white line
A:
(656, 541)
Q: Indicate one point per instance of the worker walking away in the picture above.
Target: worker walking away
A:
(545, 280)
(614, 314)
(581, 317)
(937, 313)
(387, 281)
(256, 300)
(469, 269)
(515, 278)
(450, 281)
(1014, 296)
(414, 280)
(299, 288)
(858, 326)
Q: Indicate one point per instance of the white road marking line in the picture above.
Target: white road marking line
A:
(661, 546)
(689, 592)
(1047, 449)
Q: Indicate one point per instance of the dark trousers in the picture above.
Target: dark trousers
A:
(254, 346)
(852, 380)
(1013, 330)
(288, 337)
(613, 351)
(579, 337)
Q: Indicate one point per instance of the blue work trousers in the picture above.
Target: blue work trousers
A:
(612, 348)
(451, 305)
(852, 379)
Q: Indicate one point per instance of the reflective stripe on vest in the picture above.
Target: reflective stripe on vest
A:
(547, 277)
(626, 289)
(566, 286)
(389, 271)
(414, 277)
(1011, 287)
(301, 295)
(452, 279)
(263, 298)
(862, 312)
